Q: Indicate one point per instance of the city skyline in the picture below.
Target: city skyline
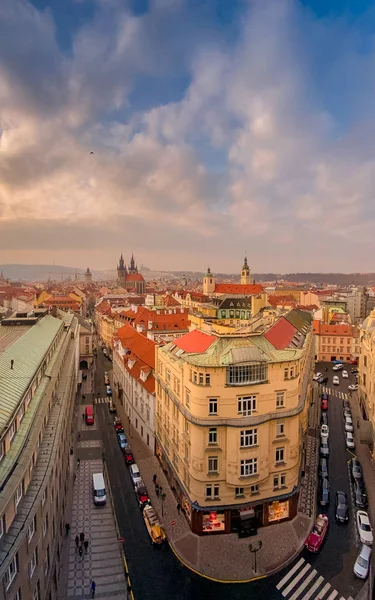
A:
(189, 132)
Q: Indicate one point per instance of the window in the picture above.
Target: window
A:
(280, 455)
(275, 482)
(283, 480)
(19, 493)
(365, 361)
(239, 492)
(31, 530)
(21, 413)
(2, 450)
(249, 437)
(280, 399)
(12, 431)
(254, 489)
(291, 372)
(187, 398)
(364, 378)
(212, 435)
(33, 563)
(168, 376)
(213, 464)
(11, 572)
(247, 405)
(2, 526)
(249, 467)
(286, 373)
(245, 374)
(208, 379)
(280, 431)
(201, 380)
(212, 406)
(195, 377)
(212, 491)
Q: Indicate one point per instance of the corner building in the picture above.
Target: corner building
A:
(231, 413)
(39, 359)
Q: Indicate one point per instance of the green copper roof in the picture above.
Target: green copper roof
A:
(27, 352)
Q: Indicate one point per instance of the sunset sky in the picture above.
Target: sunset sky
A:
(217, 127)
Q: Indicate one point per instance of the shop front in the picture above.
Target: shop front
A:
(278, 511)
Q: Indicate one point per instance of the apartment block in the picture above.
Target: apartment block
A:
(231, 413)
(39, 361)
(366, 388)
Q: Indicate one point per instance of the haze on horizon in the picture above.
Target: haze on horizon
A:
(217, 128)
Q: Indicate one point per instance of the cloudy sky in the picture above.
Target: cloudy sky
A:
(217, 127)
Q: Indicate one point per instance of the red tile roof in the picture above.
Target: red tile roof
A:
(142, 351)
(196, 341)
(134, 277)
(281, 334)
(275, 300)
(325, 329)
(238, 288)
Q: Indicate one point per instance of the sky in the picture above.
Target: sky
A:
(189, 132)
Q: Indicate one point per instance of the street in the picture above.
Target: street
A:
(156, 573)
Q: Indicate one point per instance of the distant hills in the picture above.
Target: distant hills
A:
(18, 272)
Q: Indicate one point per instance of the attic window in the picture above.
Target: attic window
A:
(172, 347)
(180, 352)
(144, 375)
(131, 363)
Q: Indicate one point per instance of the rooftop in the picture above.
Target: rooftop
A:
(27, 352)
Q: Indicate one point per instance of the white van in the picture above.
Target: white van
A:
(98, 489)
(135, 474)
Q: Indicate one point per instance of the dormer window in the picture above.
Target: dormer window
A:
(131, 363)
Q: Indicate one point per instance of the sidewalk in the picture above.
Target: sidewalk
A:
(103, 562)
(223, 557)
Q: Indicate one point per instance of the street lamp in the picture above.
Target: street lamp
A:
(255, 549)
(163, 496)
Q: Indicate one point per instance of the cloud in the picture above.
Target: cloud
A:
(254, 154)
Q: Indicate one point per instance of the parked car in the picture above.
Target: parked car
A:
(121, 440)
(347, 414)
(111, 407)
(356, 469)
(324, 431)
(353, 387)
(323, 467)
(355, 371)
(345, 405)
(364, 528)
(324, 405)
(106, 380)
(108, 390)
(135, 474)
(317, 535)
(362, 564)
(335, 380)
(341, 507)
(349, 440)
(129, 458)
(324, 418)
(360, 496)
(324, 448)
(142, 495)
(349, 424)
(323, 492)
(317, 376)
(118, 425)
(345, 374)
(337, 367)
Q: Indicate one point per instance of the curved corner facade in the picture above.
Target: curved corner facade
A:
(39, 360)
(231, 412)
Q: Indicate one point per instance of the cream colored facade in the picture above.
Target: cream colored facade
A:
(366, 388)
(229, 445)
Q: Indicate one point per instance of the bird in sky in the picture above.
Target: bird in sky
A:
(91, 153)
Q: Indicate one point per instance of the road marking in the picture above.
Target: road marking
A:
(297, 578)
(303, 585)
(313, 589)
(290, 573)
(333, 595)
(323, 591)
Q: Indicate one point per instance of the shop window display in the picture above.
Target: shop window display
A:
(213, 521)
(278, 511)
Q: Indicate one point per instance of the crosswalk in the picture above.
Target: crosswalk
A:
(305, 583)
(334, 392)
(102, 400)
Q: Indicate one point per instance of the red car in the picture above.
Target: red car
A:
(316, 537)
(142, 495)
(129, 458)
(118, 425)
(324, 404)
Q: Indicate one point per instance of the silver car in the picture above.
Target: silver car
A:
(349, 424)
(362, 564)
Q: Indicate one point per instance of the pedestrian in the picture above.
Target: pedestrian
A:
(157, 490)
(78, 462)
(77, 542)
(178, 508)
(81, 537)
(67, 529)
(79, 436)
(86, 545)
(154, 479)
(93, 588)
(357, 423)
(160, 490)
(80, 551)
(83, 416)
